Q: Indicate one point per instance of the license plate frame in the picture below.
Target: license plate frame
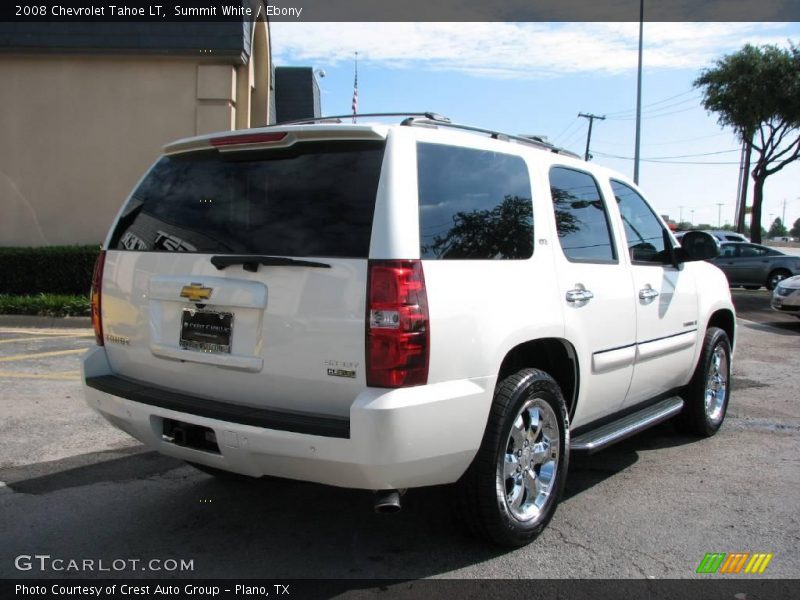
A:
(207, 331)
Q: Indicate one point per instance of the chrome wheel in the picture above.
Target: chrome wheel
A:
(530, 464)
(716, 385)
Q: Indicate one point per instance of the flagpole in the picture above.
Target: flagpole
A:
(355, 90)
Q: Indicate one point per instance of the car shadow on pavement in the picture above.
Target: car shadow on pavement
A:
(789, 328)
(140, 504)
(116, 465)
(588, 470)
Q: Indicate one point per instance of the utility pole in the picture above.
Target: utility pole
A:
(638, 98)
(783, 219)
(591, 118)
(680, 218)
(719, 213)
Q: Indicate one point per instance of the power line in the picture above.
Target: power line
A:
(657, 110)
(676, 162)
(653, 116)
(630, 110)
(567, 128)
(572, 137)
(693, 139)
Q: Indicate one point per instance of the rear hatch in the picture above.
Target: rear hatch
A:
(237, 271)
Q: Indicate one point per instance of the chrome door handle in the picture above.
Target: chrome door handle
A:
(578, 295)
(648, 293)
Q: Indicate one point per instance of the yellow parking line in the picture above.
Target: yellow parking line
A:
(50, 337)
(41, 355)
(47, 332)
(62, 376)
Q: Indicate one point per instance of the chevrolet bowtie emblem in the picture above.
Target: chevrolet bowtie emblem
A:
(195, 292)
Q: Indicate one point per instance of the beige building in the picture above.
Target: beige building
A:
(83, 113)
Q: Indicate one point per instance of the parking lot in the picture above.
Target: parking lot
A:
(73, 487)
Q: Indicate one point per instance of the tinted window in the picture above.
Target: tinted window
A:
(748, 251)
(473, 204)
(581, 217)
(643, 230)
(310, 199)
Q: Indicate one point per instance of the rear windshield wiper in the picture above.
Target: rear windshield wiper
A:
(251, 262)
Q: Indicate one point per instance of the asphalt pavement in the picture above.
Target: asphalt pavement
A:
(73, 487)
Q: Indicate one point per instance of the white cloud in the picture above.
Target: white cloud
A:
(517, 50)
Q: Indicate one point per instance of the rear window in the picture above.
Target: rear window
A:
(312, 199)
(473, 204)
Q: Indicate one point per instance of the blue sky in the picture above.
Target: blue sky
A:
(537, 77)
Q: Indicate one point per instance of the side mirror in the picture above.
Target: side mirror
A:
(697, 245)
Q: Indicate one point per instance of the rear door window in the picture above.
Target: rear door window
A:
(311, 199)
(581, 217)
(473, 204)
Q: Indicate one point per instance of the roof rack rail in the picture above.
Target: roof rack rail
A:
(431, 116)
(497, 135)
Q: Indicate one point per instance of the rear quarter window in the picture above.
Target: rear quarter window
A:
(473, 204)
(311, 199)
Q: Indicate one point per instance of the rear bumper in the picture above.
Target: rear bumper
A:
(410, 437)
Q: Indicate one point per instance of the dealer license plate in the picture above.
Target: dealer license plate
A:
(206, 331)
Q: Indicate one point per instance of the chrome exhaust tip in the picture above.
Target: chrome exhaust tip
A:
(387, 502)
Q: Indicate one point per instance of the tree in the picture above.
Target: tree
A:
(756, 91)
(777, 228)
(795, 231)
(503, 231)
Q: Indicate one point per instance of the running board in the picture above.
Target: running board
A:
(610, 433)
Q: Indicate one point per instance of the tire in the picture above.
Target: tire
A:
(776, 277)
(707, 395)
(511, 489)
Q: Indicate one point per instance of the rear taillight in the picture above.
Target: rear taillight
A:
(398, 328)
(96, 297)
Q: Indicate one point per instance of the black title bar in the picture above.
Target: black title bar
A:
(27, 11)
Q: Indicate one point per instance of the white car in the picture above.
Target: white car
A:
(786, 296)
(395, 306)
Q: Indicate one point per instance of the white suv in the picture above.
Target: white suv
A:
(395, 306)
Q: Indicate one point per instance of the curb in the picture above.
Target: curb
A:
(45, 322)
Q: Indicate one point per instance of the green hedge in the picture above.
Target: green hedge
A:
(47, 270)
(46, 305)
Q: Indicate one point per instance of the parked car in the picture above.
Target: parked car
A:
(753, 265)
(721, 234)
(786, 296)
(395, 306)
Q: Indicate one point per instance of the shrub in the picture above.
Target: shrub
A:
(47, 305)
(47, 270)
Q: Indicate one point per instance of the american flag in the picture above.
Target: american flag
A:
(355, 92)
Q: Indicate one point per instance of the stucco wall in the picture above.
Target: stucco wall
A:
(77, 132)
